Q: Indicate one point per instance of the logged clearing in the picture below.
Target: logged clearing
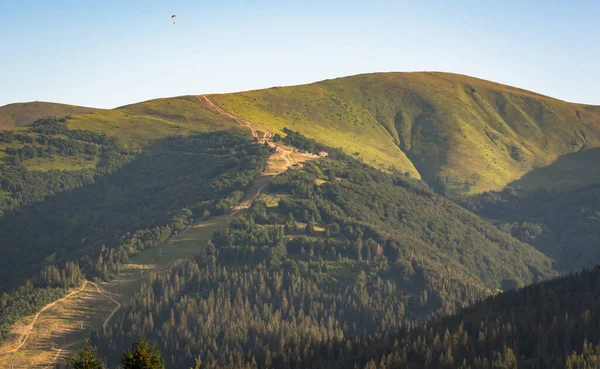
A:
(187, 244)
(68, 163)
(22, 332)
(60, 327)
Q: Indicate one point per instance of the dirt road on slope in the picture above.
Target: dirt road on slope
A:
(23, 339)
(212, 106)
(28, 329)
(279, 162)
(60, 351)
(105, 323)
(282, 154)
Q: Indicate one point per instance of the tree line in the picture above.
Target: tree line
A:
(50, 284)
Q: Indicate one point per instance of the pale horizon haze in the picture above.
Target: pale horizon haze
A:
(111, 53)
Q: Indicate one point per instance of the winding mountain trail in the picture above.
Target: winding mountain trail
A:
(24, 343)
(59, 351)
(212, 106)
(105, 323)
(282, 153)
(253, 192)
(23, 339)
(279, 162)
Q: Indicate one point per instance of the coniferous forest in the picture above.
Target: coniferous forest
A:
(335, 265)
(553, 324)
(338, 257)
(564, 224)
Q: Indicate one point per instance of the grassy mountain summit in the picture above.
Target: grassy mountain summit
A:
(22, 114)
(139, 124)
(458, 133)
(468, 133)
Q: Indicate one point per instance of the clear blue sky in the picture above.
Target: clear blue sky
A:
(107, 53)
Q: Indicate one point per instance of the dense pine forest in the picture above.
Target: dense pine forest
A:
(563, 224)
(553, 324)
(333, 252)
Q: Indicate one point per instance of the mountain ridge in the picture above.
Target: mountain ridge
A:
(436, 120)
(24, 113)
(433, 72)
(463, 135)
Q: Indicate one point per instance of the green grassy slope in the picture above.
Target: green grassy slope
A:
(22, 114)
(133, 126)
(458, 133)
(472, 134)
(138, 124)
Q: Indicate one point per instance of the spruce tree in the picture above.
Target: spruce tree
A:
(87, 358)
(143, 356)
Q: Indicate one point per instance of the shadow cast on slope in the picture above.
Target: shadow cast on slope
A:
(569, 171)
(171, 174)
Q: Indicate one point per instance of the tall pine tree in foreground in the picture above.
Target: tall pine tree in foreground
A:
(143, 356)
(86, 358)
